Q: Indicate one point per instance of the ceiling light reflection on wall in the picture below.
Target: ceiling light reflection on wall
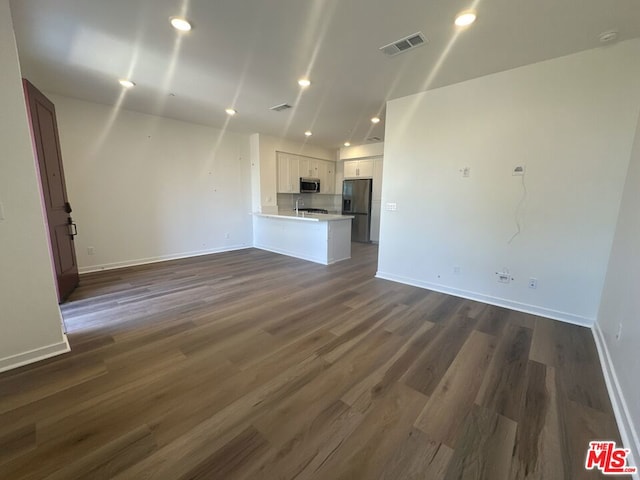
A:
(304, 82)
(231, 111)
(466, 18)
(608, 37)
(126, 83)
(181, 24)
(375, 120)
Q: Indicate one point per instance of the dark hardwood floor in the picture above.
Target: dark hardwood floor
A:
(252, 365)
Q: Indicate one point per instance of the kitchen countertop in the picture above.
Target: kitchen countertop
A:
(307, 217)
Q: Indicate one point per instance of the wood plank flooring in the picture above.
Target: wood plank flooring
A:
(252, 365)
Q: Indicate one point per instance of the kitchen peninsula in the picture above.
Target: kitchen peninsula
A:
(319, 238)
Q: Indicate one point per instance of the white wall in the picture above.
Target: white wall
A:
(254, 147)
(620, 310)
(30, 321)
(362, 151)
(145, 188)
(571, 121)
(263, 154)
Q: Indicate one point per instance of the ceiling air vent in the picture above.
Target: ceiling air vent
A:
(281, 107)
(404, 44)
(374, 139)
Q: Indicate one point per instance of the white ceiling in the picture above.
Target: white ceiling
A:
(250, 53)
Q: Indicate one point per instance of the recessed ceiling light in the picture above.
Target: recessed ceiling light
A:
(375, 120)
(308, 133)
(180, 23)
(126, 83)
(465, 18)
(304, 82)
(231, 111)
(347, 144)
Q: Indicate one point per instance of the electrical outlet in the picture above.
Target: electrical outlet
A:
(227, 235)
(533, 283)
(392, 206)
(466, 172)
(91, 251)
(1, 212)
(456, 270)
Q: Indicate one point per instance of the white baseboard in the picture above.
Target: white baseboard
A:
(24, 358)
(161, 258)
(291, 254)
(500, 302)
(628, 431)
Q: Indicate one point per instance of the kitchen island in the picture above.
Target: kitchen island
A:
(319, 238)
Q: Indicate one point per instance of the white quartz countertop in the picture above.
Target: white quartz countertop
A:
(306, 217)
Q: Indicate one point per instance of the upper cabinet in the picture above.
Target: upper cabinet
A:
(351, 169)
(358, 168)
(288, 173)
(292, 167)
(308, 167)
(327, 176)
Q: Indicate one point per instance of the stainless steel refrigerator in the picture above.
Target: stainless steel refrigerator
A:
(356, 201)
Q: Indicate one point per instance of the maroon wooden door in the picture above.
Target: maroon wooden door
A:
(46, 145)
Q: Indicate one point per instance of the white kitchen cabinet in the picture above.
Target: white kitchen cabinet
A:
(291, 167)
(358, 168)
(339, 167)
(303, 167)
(351, 169)
(288, 173)
(308, 167)
(365, 168)
(327, 176)
(331, 177)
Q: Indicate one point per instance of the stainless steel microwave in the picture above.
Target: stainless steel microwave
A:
(309, 185)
